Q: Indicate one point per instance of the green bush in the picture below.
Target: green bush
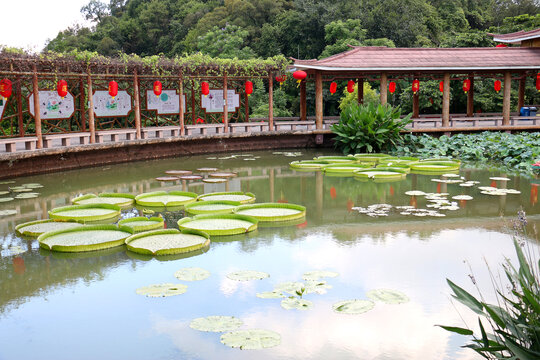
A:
(369, 128)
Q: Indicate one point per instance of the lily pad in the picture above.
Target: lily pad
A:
(36, 228)
(316, 286)
(223, 174)
(190, 177)
(252, 339)
(178, 172)
(317, 274)
(270, 295)
(221, 224)
(310, 164)
(167, 178)
(241, 197)
(162, 198)
(415, 193)
(6, 199)
(162, 290)
(295, 303)
(462, 197)
(142, 223)
(16, 250)
(207, 169)
(291, 287)
(375, 174)
(27, 196)
(215, 180)
(32, 185)
(247, 275)
(211, 207)
(88, 212)
(84, 238)
(8, 212)
(387, 296)
(272, 211)
(4, 193)
(192, 274)
(122, 200)
(343, 169)
(216, 323)
(353, 306)
(21, 189)
(167, 242)
(499, 178)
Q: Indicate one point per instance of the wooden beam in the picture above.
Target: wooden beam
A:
(416, 105)
(270, 102)
(82, 105)
(384, 88)
(19, 107)
(446, 100)
(225, 104)
(137, 105)
(360, 90)
(91, 124)
(318, 101)
(181, 103)
(37, 112)
(470, 97)
(303, 101)
(521, 92)
(192, 102)
(506, 97)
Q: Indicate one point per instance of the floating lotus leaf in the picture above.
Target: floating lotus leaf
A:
(16, 250)
(462, 197)
(215, 180)
(337, 159)
(308, 164)
(167, 178)
(434, 167)
(21, 189)
(379, 175)
(32, 185)
(353, 306)
(252, 339)
(8, 212)
(163, 198)
(487, 188)
(387, 296)
(27, 196)
(220, 224)
(192, 274)
(178, 172)
(223, 175)
(190, 177)
(216, 323)
(372, 158)
(390, 161)
(316, 286)
(207, 169)
(272, 211)
(291, 287)
(295, 303)
(318, 274)
(88, 212)
(122, 200)
(343, 169)
(4, 193)
(441, 160)
(84, 238)
(142, 223)
(167, 242)
(397, 168)
(270, 295)
(36, 228)
(244, 198)
(247, 275)
(415, 193)
(498, 178)
(6, 199)
(162, 290)
(7, 182)
(212, 207)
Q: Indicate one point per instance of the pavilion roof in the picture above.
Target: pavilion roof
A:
(517, 36)
(375, 58)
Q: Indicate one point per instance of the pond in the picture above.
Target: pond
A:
(85, 306)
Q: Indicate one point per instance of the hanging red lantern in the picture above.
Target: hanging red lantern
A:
(299, 75)
(333, 192)
(350, 86)
(205, 88)
(497, 85)
(538, 81)
(62, 88)
(392, 87)
(5, 88)
(501, 45)
(158, 88)
(466, 85)
(249, 88)
(113, 88)
(281, 79)
(333, 87)
(415, 86)
(441, 86)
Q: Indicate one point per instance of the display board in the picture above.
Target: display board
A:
(3, 102)
(165, 104)
(106, 106)
(213, 102)
(52, 106)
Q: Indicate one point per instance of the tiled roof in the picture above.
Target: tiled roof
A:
(516, 37)
(409, 59)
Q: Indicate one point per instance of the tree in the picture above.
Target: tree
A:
(340, 34)
(95, 11)
(227, 42)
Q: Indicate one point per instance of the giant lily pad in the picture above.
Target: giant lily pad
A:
(316, 286)
(309, 164)
(372, 158)
(434, 167)
(387, 296)
(317, 274)
(36, 228)
(163, 198)
(89, 212)
(162, 290)
(84, 238)
(251, 339)
(391, 161)
(272, 211)
(353, 306)
(291, 287)
(343, 169)
(142, 223)
(212, 207)
(192, 274)
(382, 175)
(167, 241)
(216, 323)
(8, 212)
(122, 200)
(239, 196)
(270, 295)
(247, 275)
(295, 303)
(337, 159)
(222, 224)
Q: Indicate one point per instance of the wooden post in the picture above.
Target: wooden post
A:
(446, 100)
(37, 112)
(181, 103)
(506, 97)
(193, 102)
(521, 92)
(270, 102)
(470, 97)
(360, 91)
(416, 105)
(137, 106)
(19, 107)
(318, 101)
(225, 104)
(91, 124)
(82, 105)
(303, 101)
(384, 88)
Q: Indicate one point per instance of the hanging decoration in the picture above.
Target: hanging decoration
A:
(538, 81)
(497, 85)
(350, 86)
(441, 86)
(415, 86)
(5, 88)
(113, 88)
(501, 45)
(249, 88)
(281, 79)
(466, 85)
(62, 88)
(392, 87)
(299, 75)
(158, 88)
(205, 88)
(333, 87)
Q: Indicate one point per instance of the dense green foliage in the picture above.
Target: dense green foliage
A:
(517, 152)
(369, 128)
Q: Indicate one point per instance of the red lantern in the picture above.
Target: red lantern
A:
(113, 88)
(333, 192)
(249, 88)
(501, 45)
(392, 87)
(350, 86)
(281, 79)
(158, 88)
(61, 88)
(441, 86)
(415, 86)
(5, 88)
(333, 87)
(205, 88)
(299, 75)
(538, 81)
(497, 85)
(466, 85)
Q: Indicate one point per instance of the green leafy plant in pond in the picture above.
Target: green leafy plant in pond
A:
(369, 128)
(515, 318)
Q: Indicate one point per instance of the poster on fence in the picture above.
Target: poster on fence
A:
(106, 106)
(3, 102)
(165, 104)
(52, 106)
(213, 102)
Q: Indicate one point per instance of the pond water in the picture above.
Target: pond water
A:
(84, 306)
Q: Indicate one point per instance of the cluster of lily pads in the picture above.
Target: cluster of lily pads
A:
(206, 174)
(377, 167)
(13, 192)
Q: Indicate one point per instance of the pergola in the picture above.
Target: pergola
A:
(384, 64)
